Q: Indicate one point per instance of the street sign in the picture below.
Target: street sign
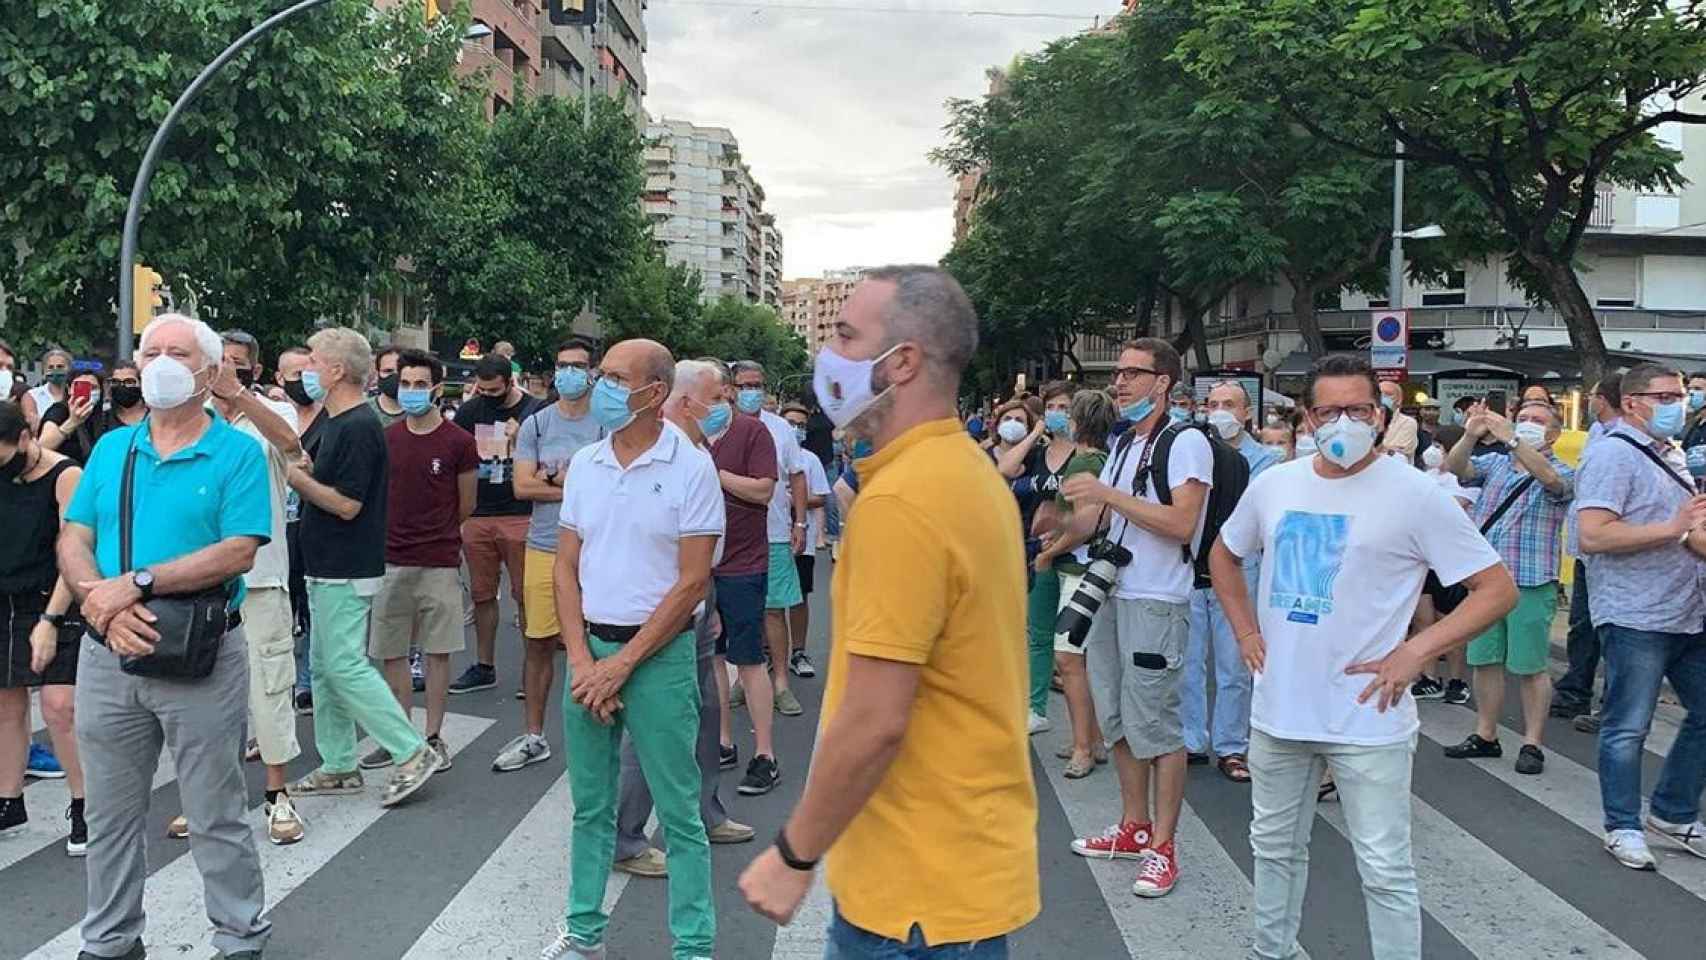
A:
(1389, 342)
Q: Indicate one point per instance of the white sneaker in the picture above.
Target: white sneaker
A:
(1630, 849)
(1038, 724)
(1688, 836)
(523, 750)
(566, 948)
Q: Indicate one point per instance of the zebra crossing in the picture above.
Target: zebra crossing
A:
(1510, 866)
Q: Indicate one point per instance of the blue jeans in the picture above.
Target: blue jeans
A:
(847, 942)
(1636, 663)
(1230, 733)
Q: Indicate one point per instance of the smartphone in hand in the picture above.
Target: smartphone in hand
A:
(1497, 403)
(81, 391)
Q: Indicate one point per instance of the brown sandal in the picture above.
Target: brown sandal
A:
(1235, 768)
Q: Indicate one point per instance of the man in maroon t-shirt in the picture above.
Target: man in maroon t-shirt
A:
(432, 490)
(746, 464)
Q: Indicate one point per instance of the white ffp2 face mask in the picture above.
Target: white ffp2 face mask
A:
(843, 386)
(1345, 441)
(167, 383)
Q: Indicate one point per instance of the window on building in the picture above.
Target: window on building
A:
(1613, 281)
(1452, 291)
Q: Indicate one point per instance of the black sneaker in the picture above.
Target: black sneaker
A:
(762, 775)
(1196, 759)
(478, 676)
(1474, 747)
(727, 757)
(1530, 760)
(1456, 691)
(77, 844)
(136, 952)
(1569, 711)
(1587, 723)
(12, 813)
(1427, 688)
(801, 665)
(304, 702)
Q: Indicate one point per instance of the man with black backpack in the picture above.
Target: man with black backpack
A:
(1524, 497)
(1153, 495)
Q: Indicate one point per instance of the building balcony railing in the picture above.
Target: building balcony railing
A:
(1604, 215)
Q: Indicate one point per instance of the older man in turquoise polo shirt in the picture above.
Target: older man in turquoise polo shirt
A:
(201, 508)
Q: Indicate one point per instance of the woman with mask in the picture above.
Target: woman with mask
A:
(43, 628)
(1037, 466)
(56, 365)
(72, 427)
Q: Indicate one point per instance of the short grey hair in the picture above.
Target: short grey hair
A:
(1093, 417)
(57, 352)
(246, 340)
(689, 374)
(346, 348)
(931, 309)
(1232, 383)
(724, 377)
(745, 366)
(211, 346)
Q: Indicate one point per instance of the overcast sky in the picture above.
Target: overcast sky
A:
(835, 111)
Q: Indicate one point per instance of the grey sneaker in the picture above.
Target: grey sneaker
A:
(566, 947)
(729, 831)
(649, 863)
(376, 760)
(1688, 836)
(1630, 849)
(411, 775)
(787, 704)
(437, 745)
(526, 749)
(323, 784)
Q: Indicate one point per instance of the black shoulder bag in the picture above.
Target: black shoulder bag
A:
(190, 626)
(1650, 455)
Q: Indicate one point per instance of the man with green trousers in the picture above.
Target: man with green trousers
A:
(640, 525)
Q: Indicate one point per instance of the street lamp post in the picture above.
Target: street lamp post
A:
(151, 160)
(1395, 265)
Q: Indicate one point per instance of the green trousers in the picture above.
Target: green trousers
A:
(660, 712)
(348, 690)
(1042, 607)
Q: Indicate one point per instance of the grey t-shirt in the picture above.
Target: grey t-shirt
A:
(1658, 589)
(549, 439)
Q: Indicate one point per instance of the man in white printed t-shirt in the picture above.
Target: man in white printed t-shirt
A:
(1347, 537)
(1135, 650)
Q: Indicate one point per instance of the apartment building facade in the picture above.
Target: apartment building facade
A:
(608, 57)
(772, 272)
(707, 210)
(510, 57)
(810, 306)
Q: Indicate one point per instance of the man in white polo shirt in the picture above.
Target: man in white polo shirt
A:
(640, 526)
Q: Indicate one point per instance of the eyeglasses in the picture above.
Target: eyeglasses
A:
(1665, 397)
(1122, 374)
(1361, 412)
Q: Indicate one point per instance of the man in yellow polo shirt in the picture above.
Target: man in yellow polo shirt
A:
(920, 794)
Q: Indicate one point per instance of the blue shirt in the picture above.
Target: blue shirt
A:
(1259, 457)
(212, 490)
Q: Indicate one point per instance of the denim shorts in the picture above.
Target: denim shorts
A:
(740, 605)
(847, 942)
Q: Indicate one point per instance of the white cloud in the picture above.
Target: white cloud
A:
(836, 111)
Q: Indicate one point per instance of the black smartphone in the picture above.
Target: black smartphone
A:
(1496, 402)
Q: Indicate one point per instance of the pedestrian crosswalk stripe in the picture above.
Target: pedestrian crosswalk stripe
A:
(47, 801)
(1567, 788)
(806, 937)
(177, 920)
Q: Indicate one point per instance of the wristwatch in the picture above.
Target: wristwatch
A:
(54, 620)
(143, 581)
(801, 524)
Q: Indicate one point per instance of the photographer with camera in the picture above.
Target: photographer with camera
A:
(1136, 649)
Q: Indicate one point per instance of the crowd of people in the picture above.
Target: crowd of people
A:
(201, 553)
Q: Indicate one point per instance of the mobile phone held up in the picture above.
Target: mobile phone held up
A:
(81, 391)
(1496, 403)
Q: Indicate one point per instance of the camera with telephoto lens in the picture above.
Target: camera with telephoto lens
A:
(1106, 559)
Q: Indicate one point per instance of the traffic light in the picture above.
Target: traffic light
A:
(146, 297)
(431, 10)
(573, 13)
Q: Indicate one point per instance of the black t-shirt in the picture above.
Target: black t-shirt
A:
(352, 460)
(1045, 483)
(80, 442)
(496, 494)
(311, 437)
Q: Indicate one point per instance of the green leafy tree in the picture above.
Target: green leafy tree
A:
(296, 183)
(545, 216)
(1531, 104)
(736, 330)
(657, 300)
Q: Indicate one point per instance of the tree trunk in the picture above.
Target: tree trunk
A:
(1194, 336)
(1565, 291)
(1303, 311)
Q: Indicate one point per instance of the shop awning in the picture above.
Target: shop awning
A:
(1562, 360)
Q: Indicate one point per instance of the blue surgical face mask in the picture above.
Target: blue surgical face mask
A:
(571, 383)
(415, 401)
(1179, 415)
(1667, 419)
(1139, 411)
(1055, 421)
(750, 399)
(717, 420)
(863, 448)
(312, 386)
(610, 405)
(1696, 400)
(800, 434)
(1387, 402)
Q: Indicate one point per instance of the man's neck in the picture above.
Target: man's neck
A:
(426, 422)
(576, 408)
(1146, 426)
(174, 429)
(131, 414)
(636, 438)
(342, 398)
(510, 399)
(390, 406)
(690, 427)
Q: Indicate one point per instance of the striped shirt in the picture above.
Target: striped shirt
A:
(1528, 536)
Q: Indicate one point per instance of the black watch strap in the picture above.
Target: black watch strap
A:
(789, 857)
(55, 620)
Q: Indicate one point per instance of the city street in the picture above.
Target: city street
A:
(475, 866)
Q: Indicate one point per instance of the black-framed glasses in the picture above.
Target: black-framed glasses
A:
(1360, 412)
(1122, 374)
(1667, 396)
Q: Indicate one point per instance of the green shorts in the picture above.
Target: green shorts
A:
(783, 590)
(1521, 642)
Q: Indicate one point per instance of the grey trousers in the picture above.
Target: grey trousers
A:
(122, 722)
(634, 806)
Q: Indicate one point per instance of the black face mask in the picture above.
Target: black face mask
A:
(388, 385)
(246, 376)
(14, 468)
(125, 396)
(297, 393)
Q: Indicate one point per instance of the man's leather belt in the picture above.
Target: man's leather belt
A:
(610, 633)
